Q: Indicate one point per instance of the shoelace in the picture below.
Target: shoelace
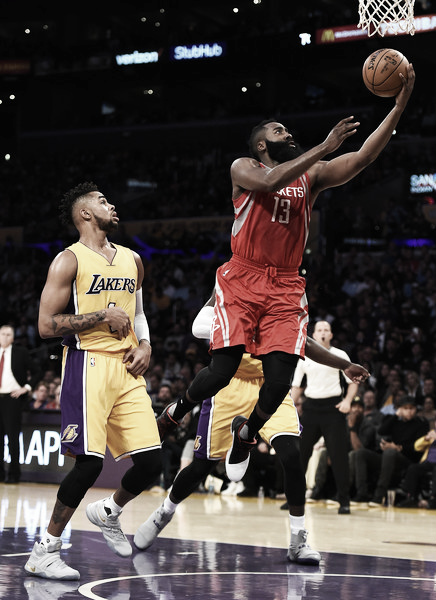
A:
(114, 527)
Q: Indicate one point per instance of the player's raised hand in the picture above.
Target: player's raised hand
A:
(403, 95)
(340, 132)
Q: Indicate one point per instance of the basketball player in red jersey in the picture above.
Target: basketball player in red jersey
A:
(261, 306)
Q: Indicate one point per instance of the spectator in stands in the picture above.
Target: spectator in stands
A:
(414, 482)
(55, 403)
(164, 397)
(398, 434)
(428, 410)
(39, 397)
(412, 386)
(429, 387)
(153, 381)
(363, 422)
(395, 385)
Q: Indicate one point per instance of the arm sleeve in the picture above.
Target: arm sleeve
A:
(141, 325)
(202, 323)
(298, 374)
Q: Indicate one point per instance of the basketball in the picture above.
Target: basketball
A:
(381, 72)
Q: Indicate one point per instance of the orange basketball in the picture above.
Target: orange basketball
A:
(381, 72)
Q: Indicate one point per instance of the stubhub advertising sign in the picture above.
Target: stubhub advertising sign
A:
(197, 51)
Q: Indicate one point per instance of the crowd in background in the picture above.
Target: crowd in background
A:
(381, 306)
(379, 298)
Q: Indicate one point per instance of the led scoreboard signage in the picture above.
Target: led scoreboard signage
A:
(198, 51)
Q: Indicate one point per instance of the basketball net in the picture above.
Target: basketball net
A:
(387, 16)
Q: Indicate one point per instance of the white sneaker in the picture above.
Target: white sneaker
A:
(300, 552)
(46, 562)
(109, 523)
(151, 528)
(230, 489)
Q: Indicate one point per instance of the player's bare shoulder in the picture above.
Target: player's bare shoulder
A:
(243, 171)
(64, 263)
(243, 163)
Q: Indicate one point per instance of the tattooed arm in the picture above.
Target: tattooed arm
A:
(53, 322)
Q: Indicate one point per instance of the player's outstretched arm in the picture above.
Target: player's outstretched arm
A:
(321, 355)
(247, 173)
(343, 168)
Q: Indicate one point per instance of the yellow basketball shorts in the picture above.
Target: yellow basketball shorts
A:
(214, 437)
(103, 404)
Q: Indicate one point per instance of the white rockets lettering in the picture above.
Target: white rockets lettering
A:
(292, 192)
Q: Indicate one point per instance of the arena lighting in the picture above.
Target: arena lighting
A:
(305, 38)
(7, 157)
(27, 31)
(236, 10)
(244, 89)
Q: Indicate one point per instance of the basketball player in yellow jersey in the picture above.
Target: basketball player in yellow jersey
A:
(93, 299)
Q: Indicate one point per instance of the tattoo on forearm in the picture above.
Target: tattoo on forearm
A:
(66, 324)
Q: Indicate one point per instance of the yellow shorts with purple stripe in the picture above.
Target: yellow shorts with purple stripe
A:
(214, 437)
(103, 404)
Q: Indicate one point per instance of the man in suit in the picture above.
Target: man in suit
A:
(16, 366)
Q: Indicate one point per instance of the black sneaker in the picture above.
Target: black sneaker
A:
(165, 422)
(238, 457)
(344, 509)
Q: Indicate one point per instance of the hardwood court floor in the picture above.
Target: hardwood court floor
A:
(219, 547)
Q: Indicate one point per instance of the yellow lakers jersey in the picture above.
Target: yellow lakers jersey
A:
(98, 285)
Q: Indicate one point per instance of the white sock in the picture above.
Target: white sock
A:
(169, 506)
(110, 503)
(48, 539)
(297, 524)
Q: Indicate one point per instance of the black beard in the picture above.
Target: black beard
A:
(106, 226)
(282, 152)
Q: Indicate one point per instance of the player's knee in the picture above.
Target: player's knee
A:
(287, 448)
(88, 468)
(78, 481)
(147, 467)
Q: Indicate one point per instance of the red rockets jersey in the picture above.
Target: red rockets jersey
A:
(271, 228)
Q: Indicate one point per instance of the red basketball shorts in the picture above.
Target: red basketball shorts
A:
(261, 308)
